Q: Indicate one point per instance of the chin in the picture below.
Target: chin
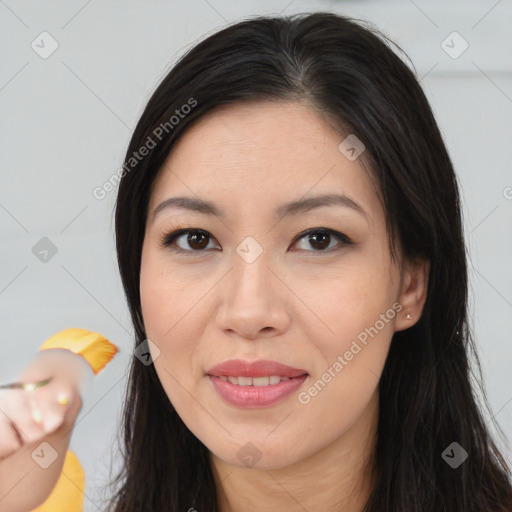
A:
(256, 454)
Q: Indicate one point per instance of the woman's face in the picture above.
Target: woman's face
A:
(252, 286)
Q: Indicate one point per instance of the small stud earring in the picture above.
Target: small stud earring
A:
(408, 316)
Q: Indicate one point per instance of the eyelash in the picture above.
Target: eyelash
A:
(175, 231)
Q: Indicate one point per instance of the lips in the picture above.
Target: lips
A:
(255, 384)
(262, 368)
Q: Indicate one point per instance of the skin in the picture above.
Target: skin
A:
(294, 304)
(24, 485)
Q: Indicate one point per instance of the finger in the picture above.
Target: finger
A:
(29, 422)
(57, 407)
(10, 440)
(24, 415)
(72, 408)
(61, 404)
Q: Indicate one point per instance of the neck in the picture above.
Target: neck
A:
(340, 477)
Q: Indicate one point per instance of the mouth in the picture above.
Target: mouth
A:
(254, 381)
(255, 384)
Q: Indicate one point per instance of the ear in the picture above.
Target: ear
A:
(413, 293)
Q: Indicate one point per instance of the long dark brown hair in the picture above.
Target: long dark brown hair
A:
(348, 70)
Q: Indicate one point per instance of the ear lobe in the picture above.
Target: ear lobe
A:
(413, 294)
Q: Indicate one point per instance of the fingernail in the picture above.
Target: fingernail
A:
(63, 399)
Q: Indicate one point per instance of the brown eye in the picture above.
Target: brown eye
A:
(321, 238)
(197, 240)
(191, 240)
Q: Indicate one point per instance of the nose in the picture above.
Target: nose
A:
(254, 301)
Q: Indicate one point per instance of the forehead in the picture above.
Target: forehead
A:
(250, 155)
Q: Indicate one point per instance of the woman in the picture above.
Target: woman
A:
(283, 379)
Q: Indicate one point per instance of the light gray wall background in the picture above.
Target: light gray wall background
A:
(67, 119)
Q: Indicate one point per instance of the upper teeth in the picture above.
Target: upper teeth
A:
(254, 381)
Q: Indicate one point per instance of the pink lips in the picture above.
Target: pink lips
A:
(255, 396)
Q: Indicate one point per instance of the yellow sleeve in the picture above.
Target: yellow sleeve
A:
(68, 493)
(93, 347)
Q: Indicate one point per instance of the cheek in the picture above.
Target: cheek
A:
(171, 307)
(347, 374)
(152, 292)
(350, 299)
(357, 309)
(170, 320)
(164, 295)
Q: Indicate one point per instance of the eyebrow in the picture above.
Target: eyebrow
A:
(294, 208)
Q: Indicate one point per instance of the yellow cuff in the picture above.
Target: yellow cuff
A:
(93, 347)
(68, 493)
